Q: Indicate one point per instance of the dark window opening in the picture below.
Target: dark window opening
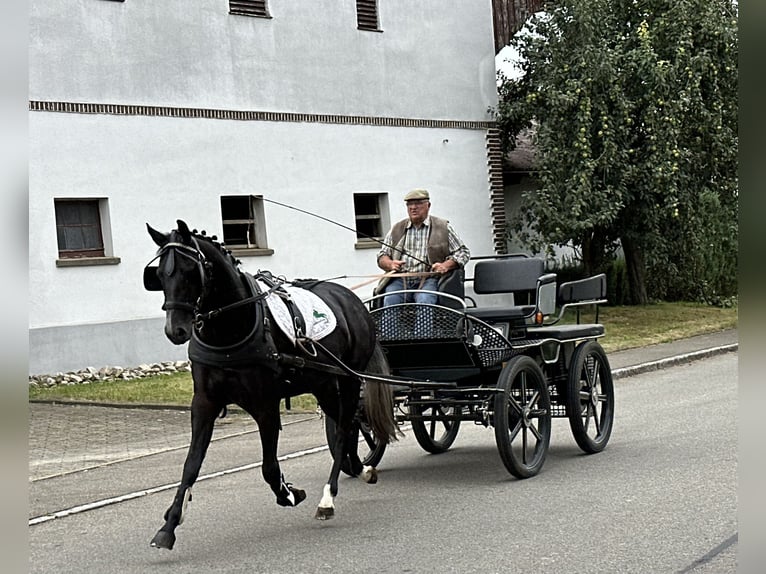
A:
(78, 228)
(367, 15)
(256, 8)
(243, 221)
(368, 215)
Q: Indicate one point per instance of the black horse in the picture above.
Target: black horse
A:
(239, 356)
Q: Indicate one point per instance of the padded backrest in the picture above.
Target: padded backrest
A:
(452, 283)
(507, 275)
(590, 289)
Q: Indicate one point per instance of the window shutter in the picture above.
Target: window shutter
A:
(367, 14)
(78, 228)
(249, 8)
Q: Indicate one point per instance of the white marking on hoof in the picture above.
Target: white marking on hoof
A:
(326, 508)
(290, 494)
(369, 474)
(184, 505)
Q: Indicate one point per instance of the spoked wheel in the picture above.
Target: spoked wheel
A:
(374, 450)
(590, 397)
(433, 433)
(522, 418)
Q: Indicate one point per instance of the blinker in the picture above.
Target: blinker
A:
(151, 280)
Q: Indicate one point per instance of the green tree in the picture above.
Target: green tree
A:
(634, 106)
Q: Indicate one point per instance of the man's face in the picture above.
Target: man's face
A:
(417, 210)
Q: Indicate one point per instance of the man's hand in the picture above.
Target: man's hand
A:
(395, 265)
(444, 267)
(389, 265)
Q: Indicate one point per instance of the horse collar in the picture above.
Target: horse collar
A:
(256, 348)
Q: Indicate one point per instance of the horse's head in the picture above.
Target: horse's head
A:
(182, 275)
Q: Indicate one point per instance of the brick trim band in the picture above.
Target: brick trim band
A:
(250, 115)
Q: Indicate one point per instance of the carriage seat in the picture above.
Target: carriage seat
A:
(524, 277)
(452, 283)
(583, 291)
(589, 291)
(567, 332)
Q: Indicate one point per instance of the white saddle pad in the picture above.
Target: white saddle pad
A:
(318, 317)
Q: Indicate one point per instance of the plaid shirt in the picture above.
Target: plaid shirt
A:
(415, 243)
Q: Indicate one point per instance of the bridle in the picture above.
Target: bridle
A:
(171, 248)
(193, 252)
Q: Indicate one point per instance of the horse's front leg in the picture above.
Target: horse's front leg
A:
(268, 427)
(203, 414)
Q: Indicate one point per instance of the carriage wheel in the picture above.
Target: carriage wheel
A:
(590, 397)
(374, 449)
(434, 435)
(522, 417)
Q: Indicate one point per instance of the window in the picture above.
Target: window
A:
(256, 8)
(367, 15)
(371, 212)
(244, 224)
(78, 228)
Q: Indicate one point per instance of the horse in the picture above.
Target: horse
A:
(238, 356)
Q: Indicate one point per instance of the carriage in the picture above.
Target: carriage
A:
(512, 364)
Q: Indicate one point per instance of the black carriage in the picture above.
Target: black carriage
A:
(513, 365)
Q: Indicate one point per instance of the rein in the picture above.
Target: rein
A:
(199, 318)
(194, 253)
(340, 368)
(393, 275)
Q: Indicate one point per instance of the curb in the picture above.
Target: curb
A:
(672, 361)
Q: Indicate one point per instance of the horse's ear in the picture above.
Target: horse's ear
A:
(159, 238)
(183, 229)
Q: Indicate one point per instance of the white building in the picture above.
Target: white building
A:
(144, 111)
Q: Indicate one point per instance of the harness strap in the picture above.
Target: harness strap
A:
(260, 295)
(340, 368)
(299, 323)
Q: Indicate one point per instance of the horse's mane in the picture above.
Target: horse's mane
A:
(213, 241)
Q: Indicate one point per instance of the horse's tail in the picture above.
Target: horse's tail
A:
(379, 400)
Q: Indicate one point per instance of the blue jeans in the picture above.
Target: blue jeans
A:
(397, 284)
(423, 325)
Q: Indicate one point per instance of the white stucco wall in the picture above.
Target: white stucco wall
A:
(433, 60)
(159, 170)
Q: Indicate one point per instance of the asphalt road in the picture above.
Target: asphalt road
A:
(661, 498)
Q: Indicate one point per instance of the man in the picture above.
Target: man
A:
(421, 243)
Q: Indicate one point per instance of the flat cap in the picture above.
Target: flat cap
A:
(417, 194)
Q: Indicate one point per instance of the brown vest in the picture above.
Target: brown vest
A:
(438, 238)
(438, 244)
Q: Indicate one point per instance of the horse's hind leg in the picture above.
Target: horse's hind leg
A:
(203, 414)
(268, 428)
(349, 400)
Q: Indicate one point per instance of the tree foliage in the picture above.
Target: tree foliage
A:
(634, 106)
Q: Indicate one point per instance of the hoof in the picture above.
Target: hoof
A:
(163, 539)
(324, 513)
(300, 495)
(295, 497)
(370, 474)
